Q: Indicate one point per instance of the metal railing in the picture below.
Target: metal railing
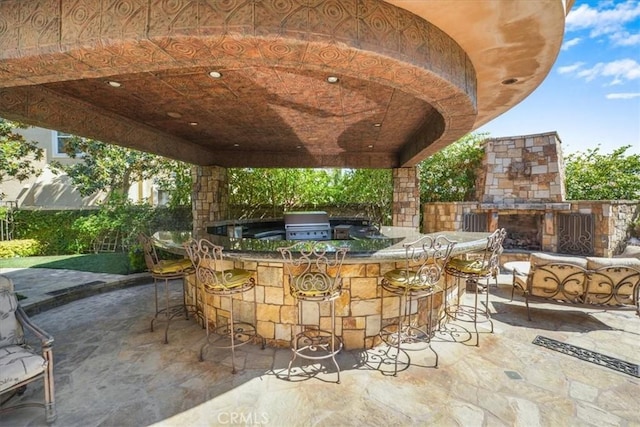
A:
(6, 219)
(575, 234)
(475, 222)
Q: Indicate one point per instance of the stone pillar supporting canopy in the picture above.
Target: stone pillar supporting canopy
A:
(406, 198)
(209, 197)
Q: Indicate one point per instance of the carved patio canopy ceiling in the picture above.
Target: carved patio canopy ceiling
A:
(248, 83)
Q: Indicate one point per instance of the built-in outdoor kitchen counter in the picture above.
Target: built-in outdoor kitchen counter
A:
(359, 312)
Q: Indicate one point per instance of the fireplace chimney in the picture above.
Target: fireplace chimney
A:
(522, 169)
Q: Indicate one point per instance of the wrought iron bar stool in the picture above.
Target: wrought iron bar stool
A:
(474, 267)
(207, 259)
(420, 277)
(314, 276)
(166, 270)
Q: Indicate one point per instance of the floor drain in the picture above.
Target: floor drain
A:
(589, 356)
(513, 375)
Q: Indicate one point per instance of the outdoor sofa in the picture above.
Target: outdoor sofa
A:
(589, 281)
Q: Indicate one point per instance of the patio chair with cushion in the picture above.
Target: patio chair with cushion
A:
(474, 267)
(167, 270)
(19, 363)
(420, 277)
(314, 277)
(228, 283)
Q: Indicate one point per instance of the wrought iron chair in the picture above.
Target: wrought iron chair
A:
(314, 276)
(19, 363)
(483, 265)
(207, 259)
(167, 270)
(420, 277)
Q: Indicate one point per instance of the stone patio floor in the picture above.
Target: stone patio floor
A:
(111, 371)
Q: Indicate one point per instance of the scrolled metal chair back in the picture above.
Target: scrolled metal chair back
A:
(494, 249)
(427, 257)
(149, 250)
(313, 271)
(206, 258)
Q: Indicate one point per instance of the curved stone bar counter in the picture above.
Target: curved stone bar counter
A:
(359, 311)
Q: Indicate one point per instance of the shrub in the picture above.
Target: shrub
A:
(74, 232)
(53, 229)
(19, 248)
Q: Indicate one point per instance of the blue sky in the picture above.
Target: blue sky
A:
(591, 96)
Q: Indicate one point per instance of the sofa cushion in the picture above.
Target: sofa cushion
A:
(594, 263)
(10, 329)
(612, 280)
(18, 364)
(557, 277)
(630, 252)
(539, 258)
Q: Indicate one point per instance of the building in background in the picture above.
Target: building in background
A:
(54, 190)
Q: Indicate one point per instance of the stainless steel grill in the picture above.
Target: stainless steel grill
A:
(307, 226)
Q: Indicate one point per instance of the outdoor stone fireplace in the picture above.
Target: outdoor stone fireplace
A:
(521, 188)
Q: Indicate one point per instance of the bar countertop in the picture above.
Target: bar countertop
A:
(388, 245)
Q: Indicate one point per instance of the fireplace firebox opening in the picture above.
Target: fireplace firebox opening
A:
(524, 231)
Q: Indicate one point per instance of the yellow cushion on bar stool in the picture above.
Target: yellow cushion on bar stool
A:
(400, 279)
(229, 279)
(469, 266)
(305, 286)
(172, 266)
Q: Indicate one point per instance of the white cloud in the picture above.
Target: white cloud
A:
(619, 71)
(568, 69)
(591, 73)
(623, 95)
(606, 20)
(571, 43)
(625, 39)
(624, 69)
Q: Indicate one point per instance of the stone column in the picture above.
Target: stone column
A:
(406, 198)
(209, 197)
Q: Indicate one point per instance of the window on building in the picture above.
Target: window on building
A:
(163, 198)
(60, 140)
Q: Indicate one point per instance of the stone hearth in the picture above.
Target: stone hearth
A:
(522, 189)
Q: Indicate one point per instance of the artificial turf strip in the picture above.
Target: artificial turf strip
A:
(113, 263)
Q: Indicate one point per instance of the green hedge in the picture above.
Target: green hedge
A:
(74, 232)
(53, 229)
(19, 248)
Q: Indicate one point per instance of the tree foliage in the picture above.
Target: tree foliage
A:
(281, 189)
(17, 155)
(450, 174)
(595, 176)
(370, 188)
(111, 168)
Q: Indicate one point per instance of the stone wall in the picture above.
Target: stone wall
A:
(520, 169)
(612, 220)
(360, 310)
(406, 198)
(209, 197)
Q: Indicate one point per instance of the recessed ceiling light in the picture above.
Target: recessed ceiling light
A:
(332, 79)
(193, 123)
(174, 115)
(215, 74)
(509, 81)
(114, 84)
(298, 146)
(377, 125)
(370, 146)
(236, 145)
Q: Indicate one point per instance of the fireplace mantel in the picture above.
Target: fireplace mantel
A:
(526, 206)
